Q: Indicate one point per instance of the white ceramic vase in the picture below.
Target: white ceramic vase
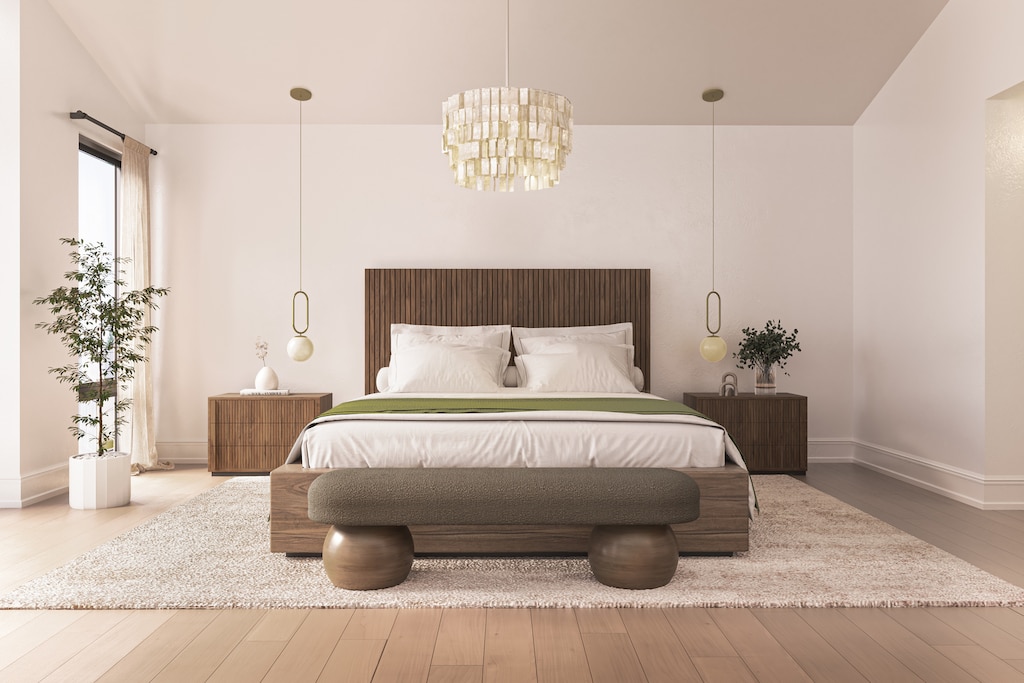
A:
(95, 482)
(266, 379)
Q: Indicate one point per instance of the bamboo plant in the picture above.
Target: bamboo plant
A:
(101, 324)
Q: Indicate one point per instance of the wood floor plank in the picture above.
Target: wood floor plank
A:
(982, 664)
(201, 657)
(979, 630)
(406, 657)
(460, 638)
(866, 655)
(102, 653)
(12, 620)
(558, 646)
(917, 655)
(250, 660)
(763, 655)
(724, 670)
(35, 632)
(353, 661)
(370, 624)
(928, 627)
(662, 656)
(612, 658)
(599, 620)
(277, 625)
(1009, 620)
(151, 655)
(509, 655)
(456, 674)
(305, 655)
(52, 653)
(819, 660)
(699, 633)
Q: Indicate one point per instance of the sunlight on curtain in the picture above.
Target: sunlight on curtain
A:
(134, 244)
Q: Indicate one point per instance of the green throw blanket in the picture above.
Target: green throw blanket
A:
(635, 406)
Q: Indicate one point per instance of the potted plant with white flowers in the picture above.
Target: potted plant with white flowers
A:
(102, 326)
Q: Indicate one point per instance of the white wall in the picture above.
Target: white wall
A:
(919, 257)
(1004, 250)
(225, 217)
(10, 211)
(57, 76)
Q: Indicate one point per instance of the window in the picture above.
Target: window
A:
(99, 180)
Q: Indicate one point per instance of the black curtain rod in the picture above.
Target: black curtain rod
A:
(82, 115)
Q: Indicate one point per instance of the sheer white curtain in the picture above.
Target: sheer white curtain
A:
(134, 244)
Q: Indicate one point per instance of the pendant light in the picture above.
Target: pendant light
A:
(300, 347)
(713, 347)
(493, 136)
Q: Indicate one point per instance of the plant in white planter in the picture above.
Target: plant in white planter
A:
(101, 324)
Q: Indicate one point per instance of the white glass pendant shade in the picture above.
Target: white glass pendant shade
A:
(713, 348)
(300, 347)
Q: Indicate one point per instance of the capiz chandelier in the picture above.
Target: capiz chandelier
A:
(494, 135)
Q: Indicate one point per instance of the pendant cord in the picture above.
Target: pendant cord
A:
(300, 195)
(712, 195)
(506, 41)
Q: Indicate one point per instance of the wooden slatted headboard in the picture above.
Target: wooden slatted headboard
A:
(519, 297)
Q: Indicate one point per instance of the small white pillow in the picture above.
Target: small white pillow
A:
(637, 375)
(511, 376)
(617, 333)
(447, 368)
(563, 343)
(585, 367)
(384, 379)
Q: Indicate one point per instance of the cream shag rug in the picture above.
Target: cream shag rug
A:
(807, 550)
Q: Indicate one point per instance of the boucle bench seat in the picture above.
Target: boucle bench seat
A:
(370, 509)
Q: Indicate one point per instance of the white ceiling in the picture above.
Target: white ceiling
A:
(780, 62)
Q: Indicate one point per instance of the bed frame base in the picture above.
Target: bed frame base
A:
(721, 529)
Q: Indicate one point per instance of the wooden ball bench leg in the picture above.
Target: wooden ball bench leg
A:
(633, 556)
(368, 557)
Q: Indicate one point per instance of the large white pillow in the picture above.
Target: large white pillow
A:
(617, 333)
(445, 368)
(472, 335)
(577, 367)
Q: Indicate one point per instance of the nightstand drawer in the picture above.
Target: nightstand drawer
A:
(770, 431)
(254, 434)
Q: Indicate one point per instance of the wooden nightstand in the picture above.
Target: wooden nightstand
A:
(254, 434)
(770, 431)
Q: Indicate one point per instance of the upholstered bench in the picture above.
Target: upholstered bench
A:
(631, 546)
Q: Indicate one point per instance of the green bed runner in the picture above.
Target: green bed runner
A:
(635, 406)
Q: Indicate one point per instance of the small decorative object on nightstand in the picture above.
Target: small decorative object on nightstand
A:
(770, 431)
(254, 434)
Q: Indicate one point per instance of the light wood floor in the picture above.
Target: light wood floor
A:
(564, 646)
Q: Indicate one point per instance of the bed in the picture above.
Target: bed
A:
(542, 298)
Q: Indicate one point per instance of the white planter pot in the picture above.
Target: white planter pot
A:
(95, 483)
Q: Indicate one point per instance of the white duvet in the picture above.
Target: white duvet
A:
(514, 439)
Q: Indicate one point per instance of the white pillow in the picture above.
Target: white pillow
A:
(473, 335)
(444, 368)
(637, 375)
(384, 378)
(563, 343)
(617, 333)
(577, 367)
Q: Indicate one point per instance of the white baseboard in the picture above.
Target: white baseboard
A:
(830, 450)
(997, 492)
(35, 487)
(183, 452)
